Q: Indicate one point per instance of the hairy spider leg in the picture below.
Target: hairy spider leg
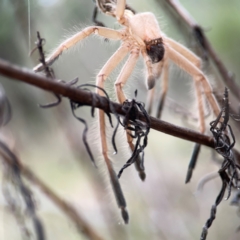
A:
(200, 81)
(194, 59)
(120, 8)
(149, 102)
(150, 75)
(193, 161)
(189, 62)
(151, 78)
(101, 31)
(157, 71)
(125, 74)
(188, 55)
(162, 70)
(121, 80)
(106, 70)
(164, 88)
(197, 147)
(102, 76)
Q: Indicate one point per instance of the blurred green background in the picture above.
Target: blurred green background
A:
(49, 141)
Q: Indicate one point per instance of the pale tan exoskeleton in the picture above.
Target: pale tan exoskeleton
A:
(140, 35)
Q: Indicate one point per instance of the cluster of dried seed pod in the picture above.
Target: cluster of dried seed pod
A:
(224, 141)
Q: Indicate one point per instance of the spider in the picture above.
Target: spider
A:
(140, 35)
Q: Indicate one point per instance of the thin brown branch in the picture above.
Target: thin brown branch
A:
(177, 9)
(85, 98)
(69, 210)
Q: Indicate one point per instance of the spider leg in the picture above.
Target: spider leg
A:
(194, 59)
(164, 88)
(101, 31)
(151, 78)
(193, 162)
(150, 99)
(200, 81)
(121, 80)
(150, 81)
(187, 54)
(191, 64)
(102, 76)
(125, 74)
(120, 8)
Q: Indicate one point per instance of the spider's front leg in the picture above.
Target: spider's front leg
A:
(164, 88)
(125, 74)
(102, 76)
(121, 80)
(70, 42)
(106, 70)
(120, 8)
(154, 72)
(151, 79)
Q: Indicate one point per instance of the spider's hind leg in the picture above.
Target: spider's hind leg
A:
(190, 63)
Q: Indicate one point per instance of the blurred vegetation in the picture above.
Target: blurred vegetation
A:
(50, 142)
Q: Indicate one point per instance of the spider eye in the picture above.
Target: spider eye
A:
(155, 50)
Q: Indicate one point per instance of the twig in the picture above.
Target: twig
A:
(47, 70)
(69, 210)
(202, 40)
(85, 98)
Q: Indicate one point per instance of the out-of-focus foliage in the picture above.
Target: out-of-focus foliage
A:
(50, 141)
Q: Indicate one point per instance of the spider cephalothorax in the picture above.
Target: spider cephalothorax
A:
(155, 49)
(140, 35)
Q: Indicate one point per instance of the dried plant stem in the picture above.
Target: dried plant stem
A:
(69, 210)
(85, 98)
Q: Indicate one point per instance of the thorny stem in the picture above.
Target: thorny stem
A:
(184, 15)
(85, 98)
(70, 211)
